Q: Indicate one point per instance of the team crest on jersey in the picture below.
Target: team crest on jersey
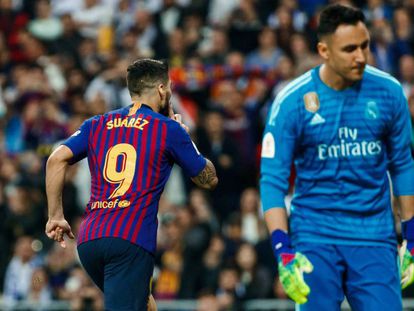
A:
(371, 110)
(311, 100)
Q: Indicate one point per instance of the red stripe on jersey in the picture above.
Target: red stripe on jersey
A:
(153, 141)
(142, 157)
(154, 181)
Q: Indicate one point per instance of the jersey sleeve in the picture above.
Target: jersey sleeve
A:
(401, 165)
(278, 146)
(183, 151)
(78, 142)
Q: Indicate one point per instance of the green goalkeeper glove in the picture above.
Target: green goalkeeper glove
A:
(291, 266)
(406, 253)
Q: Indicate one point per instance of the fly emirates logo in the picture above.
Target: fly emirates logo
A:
(349, 146)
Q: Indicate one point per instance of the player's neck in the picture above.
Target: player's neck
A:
(333, 79)
(148, 100)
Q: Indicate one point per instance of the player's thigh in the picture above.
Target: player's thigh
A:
(372, 279)
(325, 281)
(92, 259)
(128, 272)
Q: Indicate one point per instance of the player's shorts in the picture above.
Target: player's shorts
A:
(121, 269)
(367, 276)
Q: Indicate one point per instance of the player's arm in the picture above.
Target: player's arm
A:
(401, 168)
(186, 155)
(207, 178)
(71, 151)
(278, 147)
(56, 168)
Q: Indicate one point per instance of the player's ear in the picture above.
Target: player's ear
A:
(323, 49)
(162, 90)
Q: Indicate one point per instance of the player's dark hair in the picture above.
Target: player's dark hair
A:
(335, 15)
(145, 74)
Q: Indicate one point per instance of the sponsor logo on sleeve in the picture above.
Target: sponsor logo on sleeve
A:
(268, 147)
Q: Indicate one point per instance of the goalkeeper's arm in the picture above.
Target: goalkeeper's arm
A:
(291, 264)
(406, 203)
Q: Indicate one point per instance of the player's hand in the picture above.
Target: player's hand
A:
(406, 253)
(56, 230)
(178, 118)
(406, 265)
(151, 306)
(291, 267)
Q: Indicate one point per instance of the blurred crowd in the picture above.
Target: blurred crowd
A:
(62, 61)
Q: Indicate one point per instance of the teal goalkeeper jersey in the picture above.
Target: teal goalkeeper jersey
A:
(342, 144)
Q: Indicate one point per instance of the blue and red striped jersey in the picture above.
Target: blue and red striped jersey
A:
(130, 155)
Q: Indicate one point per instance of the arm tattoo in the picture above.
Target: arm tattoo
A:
(207, 177)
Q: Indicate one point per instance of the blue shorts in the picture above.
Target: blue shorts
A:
(367, 276)
(121, 269)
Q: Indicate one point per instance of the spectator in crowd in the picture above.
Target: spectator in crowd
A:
(212, 260)
(268, 54)
(230, 290)
(255, 278)
(40, 293)
(251, 221)
(19, 272)
(406, 69)
(45, 26)
(59, 263)
(302, 56)
(207, 301)
(82, 293)
(403, 36)
(170, 261)
(215, 143)
(92, 18)
(382, 37)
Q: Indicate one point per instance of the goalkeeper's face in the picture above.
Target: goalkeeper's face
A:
(346, 51)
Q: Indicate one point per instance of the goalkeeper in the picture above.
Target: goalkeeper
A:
(344, 125)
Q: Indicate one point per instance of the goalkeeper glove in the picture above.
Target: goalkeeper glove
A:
(406, 253)
(291, 266)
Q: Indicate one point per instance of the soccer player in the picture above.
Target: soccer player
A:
(130, 153)
(344, 124)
